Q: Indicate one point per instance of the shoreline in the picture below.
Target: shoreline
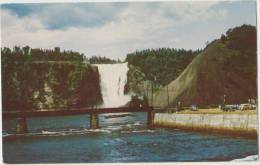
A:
(232, 124)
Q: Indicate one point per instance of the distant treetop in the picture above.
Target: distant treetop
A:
(102, 60)
(37, 54)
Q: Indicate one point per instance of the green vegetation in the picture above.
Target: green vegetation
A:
(30, 81)
(163, 65)
(102, 60)
(37, 54)
(227, 66)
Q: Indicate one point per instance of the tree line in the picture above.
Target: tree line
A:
(161, 65)
(102, 60)
(37, 54)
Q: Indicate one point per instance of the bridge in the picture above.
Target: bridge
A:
(21, 125)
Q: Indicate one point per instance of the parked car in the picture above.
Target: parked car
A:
(194, 107)
(231, 107)
(243, 107)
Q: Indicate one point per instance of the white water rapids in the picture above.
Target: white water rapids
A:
(113, 78)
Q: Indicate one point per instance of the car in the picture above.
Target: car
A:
(194, 107)
(231, 107)
(243, 107)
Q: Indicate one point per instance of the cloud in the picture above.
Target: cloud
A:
(65, 15)
(115, 29)
(190, 11)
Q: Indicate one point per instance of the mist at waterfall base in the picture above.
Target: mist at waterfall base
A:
(122, 139)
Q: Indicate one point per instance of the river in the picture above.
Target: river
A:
(124, 139)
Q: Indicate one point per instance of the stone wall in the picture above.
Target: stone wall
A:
(237, 123)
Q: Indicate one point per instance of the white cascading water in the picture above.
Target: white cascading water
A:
(113, 78)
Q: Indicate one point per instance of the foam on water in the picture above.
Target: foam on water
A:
(248, 158)
(113, 128)
(135, 127)
(139, 131)
(72, 132)
(48, 132)
(137, 123)
(4, 134)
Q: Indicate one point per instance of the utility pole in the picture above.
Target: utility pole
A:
(224, 99)
(152, 95)
(147, 93)
(224, 102)
(168, 95)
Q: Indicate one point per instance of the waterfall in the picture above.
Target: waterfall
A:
(113, 78)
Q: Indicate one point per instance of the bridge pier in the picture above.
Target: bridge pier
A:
(21, 125)
(150, 117)
(94, 121)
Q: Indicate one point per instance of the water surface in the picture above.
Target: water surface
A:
(125, 139)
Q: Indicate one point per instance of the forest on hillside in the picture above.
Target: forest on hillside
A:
(35, 79)
(162, 65)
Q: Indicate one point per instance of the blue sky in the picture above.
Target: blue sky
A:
(115, 29)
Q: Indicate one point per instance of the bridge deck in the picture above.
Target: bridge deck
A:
(70, 112)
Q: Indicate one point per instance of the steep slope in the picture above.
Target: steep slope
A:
(226, 67)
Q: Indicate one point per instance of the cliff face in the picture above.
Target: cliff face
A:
(38, 85)
(135, 81)
(137, 84)
(226, 67)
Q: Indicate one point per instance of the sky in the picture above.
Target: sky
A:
(114, 29)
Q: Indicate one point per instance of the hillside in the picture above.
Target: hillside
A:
(152, 68)
(156, 64)
(43, 79)
(227, 66)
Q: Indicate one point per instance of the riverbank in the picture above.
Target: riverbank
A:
(244, 124)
